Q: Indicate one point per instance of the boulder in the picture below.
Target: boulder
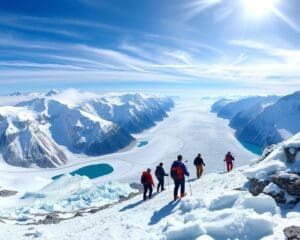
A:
(279, 197)
(257, 186)
(291, 153)
(290, 182)
(292, 232)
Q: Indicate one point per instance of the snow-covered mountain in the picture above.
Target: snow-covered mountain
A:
(232, 108)
(132, 112)
(276, 123)
(263, 120)
(17, 93)
(24, 141)
(51, 93)
(32, 132)
(218, 105)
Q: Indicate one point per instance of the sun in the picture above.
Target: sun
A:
(259, 8)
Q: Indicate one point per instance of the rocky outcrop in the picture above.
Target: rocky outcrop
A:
(283, 187)
(287, 181)
(291, 153)
(257, 186)
(292, 232)
(277, 172)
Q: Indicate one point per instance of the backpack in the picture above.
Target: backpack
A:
(143, 179)
(174, 172)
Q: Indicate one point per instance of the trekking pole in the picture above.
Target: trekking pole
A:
(190, 186)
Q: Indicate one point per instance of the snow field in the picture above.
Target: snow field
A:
(194, 217)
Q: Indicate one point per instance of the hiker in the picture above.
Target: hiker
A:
(229, 161)
(178, 171)
(160, 175)
(148, 183)
(199, 163)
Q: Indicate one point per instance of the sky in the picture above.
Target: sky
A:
(230, 46)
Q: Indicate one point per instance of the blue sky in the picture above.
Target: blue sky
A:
(171, 44)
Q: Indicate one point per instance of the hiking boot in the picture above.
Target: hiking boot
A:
(183, 195)
(163, 189)
(175, 198)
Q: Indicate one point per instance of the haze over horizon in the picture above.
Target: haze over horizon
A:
(211, 46)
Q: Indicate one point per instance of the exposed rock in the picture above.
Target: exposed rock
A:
(35, 234)
(50, 219)
(279, 197)
(7, 193)
(291, 153)
(267, 151)
(287, 181)
(257, 186)
(292, 232)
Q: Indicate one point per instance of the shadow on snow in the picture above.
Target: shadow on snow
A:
(163, 212)
(130, 206)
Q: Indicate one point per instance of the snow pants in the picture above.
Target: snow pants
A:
(147, 187)
(229, 166)
(199, 170)
(161, 184)
(181, 184)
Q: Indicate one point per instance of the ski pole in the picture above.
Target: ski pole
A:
(190, 186)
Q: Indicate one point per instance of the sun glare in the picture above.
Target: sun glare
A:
(259, 8)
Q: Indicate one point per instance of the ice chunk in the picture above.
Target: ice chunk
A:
(179, 231)
(224, 201)
(260, 204)
(189, 204)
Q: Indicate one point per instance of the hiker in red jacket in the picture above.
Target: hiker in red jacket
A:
(148, 183)
(229, 161)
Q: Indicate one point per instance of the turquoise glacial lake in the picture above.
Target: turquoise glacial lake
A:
(91, 171)
(252, 148)
(142, 143)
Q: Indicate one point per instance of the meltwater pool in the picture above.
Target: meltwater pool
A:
(91, 171)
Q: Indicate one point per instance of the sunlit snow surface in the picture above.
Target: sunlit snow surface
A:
(190, 129)
(216, 208)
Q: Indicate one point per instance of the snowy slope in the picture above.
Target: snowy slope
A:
(25, 142)
(218, 207)
(231, 109)
(218, 105)
(132, 112)
(276, 123)
(263, 121)
(81, 122)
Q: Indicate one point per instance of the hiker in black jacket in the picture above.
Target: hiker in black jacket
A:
(199, 163)
(160, 175)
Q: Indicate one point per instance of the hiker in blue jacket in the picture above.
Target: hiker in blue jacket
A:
(178, 171)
